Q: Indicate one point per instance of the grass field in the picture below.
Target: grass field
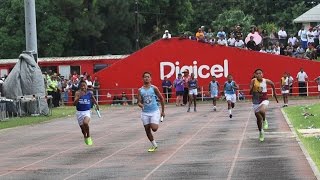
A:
(22, 121)
(298, 119)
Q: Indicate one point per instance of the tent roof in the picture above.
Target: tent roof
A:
(312, 15)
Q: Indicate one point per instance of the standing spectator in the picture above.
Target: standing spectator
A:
(302, 77)
(316, 35)
(237, 33)
(178, 85)
(1, 84)
(265, 38)
(167, 88)
(200, 35)
(54, 91)
(239, 43)
(186, 77)
(64, 91)
(310, 36)
(311, 52)
(221, 33)
(273, 37)
(89, 84)
(282, 34)
(251, 45)
(293, 40)
(303, 37)
(231, 41)
(96, 87)
(166, 35)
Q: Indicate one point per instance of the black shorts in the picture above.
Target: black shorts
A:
(179, 93)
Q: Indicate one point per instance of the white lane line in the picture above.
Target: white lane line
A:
(238, 148)
(180, 147)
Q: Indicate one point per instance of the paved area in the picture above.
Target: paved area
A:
(195, 145)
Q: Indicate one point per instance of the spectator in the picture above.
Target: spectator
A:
(263, 49)
(167, 88)
(186, 77)
(222, 41)
(269, 49)
(310, 36)
(251, 45)
(74, 87)
(273, 37)
(289, 50)
(231, 41)
(221, 33)
(316, 35)
(311, 52)
(64, 90)
(302, 78)
(265, 38)
(302, 34)
(282, 34)
(237, 33)
(53, 90)
(89, 83)
(239, 43)
(1, 84)
(241, 95)
(293, 40)
(124, 99)
(209, 35)
(200, 35)
(96, 87)
(166, 35)
(178, 85)
(291, 80)
(299, 53)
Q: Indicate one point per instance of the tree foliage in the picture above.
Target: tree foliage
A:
(97, 27)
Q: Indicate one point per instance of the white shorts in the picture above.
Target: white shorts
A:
(256, 107)
(231, 97)
(150, 118)
(319, 88)
(193, 91)
(81, 115)
(285, 92)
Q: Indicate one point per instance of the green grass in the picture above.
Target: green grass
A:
(295, 115)
(22, 121)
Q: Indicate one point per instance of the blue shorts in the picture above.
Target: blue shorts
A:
(179, 93)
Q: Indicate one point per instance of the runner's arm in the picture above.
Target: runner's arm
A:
(156, 90)
(273, 88)
(94, 101)
(251, 86)
(140, 104)
(76, 98)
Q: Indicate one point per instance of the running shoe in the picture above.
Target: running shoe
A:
(188, 110)
(261, 136)
(265, 124)
(89, 141)
(230, 115)
(86, 141)
(214, 109)
(152, 149)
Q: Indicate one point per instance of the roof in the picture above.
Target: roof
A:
(312, 15)
(76, 58)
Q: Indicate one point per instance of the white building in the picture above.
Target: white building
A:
(309, 18)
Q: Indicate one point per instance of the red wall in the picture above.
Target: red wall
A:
(241, 64)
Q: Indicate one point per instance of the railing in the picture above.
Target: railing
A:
(116, 96)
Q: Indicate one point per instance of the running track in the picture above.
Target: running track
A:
(201, 145)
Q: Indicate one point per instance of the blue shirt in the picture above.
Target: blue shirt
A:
(214, 86)
(193, 83)
(149, 99)
(84, 103)
(229, 87)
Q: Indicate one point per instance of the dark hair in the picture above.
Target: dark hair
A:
(83, 82)
(229, 75)
(214, 76)
(258, 70)
(146, 73)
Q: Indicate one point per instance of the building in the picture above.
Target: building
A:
(309, 18)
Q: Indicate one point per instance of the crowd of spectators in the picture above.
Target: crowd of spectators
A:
(60, 87)
(302, 44)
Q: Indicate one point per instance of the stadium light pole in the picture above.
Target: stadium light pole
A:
(31, 28)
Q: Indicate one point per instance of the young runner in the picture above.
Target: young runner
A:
(193, 92)
(150, 114)
(214, 91)
(82, 101)
(285, 88)
(258, 89)
(230, 88)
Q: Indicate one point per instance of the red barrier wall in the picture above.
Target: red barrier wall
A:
(162, 57)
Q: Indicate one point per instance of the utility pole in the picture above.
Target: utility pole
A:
(137, 24)
(31, 28)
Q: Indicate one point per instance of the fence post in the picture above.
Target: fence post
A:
(202, 93)
(307, 88)
(132, 94)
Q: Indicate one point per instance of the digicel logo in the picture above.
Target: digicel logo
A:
(203, 71)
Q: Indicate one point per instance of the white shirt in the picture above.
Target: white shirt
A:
(89, 83)
(282, 34)
(290, 80)
(263, 51)
(316, 34)
(222, 42)
(292, 40)
(239, 44)
(231, 41)
(310, 36)
(302, 76)
(303, 35)
(166, 36)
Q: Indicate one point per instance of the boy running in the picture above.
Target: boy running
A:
(82, 101)
(285, 88)
(214, 91)
(230, 88)
(193, 92)
(258, 89)
(150, 114)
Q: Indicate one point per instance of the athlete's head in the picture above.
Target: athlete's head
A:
(229, 77)
(83, 85)
(179, 75)
(146, 77)
(214, 78)
(258, 73)
(285, 74)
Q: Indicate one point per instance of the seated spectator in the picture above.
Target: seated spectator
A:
(200, 35)
(269, 49)
(289, 50)
(222, 41)
(241, 96)
(311, 52)
(231, 41)
(209, 35)
(293, 40)
(124, 99)
(221, 33)
(166, 35)
(299, 53)
(251, 45)
(239, 43)
(263, 49)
